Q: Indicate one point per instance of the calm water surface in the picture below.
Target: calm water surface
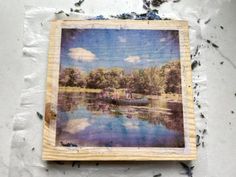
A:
(86, 121)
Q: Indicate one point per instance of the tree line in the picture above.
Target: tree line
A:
(151, 80)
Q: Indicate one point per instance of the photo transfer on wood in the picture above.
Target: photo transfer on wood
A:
(119, 90)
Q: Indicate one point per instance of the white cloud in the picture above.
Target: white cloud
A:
(122, 39)
(133, 59)
(81, 54)
(163, 39)
(76, 125)
(131, 125)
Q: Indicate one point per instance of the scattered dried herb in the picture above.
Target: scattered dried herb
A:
(232, 112)
(150, 15)
(33, 149)
(199, 106)
(188, 169)
(213, 44)
(40, 116)
(146, 4)
(222, 27)
(198, 140)
(157, 3)
(198, 20)
(196, 51)
(203, 144)
(78, 11)
(194, 64)
(204, 131)
(78, 164)
(175, 1)
(79, 3)
(59, 12)
(158, 175)
(99, 17)
(221, 62)
(206, 22)
(68, 144)
(202, 115)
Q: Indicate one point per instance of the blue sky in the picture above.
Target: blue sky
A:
(130, 49)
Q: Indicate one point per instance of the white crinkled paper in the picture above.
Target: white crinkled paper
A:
(26, 146)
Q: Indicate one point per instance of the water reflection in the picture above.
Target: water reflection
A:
(87, 121)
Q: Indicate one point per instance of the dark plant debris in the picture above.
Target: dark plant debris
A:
(202, 115)
(59, 12)
(206, 22)
(194, 64)
(213, 44)
(78, 11)
(198, 140)
(195, 86)
(221, 62)
(33, 148)
(188, 169)
(198, 20)
(232, 112)
(79, 3)
(40, 116)
(150, 15)
(198, 105)
(68, 144)
(204, 131)
(158, 175)
(175, 1)
(157, 3)
(222, 27)
(196, 51)
(99, 17)
(146, 4)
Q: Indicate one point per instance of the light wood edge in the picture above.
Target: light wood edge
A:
(52, 153)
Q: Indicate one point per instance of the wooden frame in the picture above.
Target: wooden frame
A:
(52, 152)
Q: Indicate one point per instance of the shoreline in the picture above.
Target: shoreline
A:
(164, 96)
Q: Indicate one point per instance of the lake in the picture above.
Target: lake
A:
(84, 120)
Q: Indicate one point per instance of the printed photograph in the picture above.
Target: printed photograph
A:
(119, 88)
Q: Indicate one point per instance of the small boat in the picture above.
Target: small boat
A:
(134, 102)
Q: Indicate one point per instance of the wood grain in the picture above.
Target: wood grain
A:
(52, 152)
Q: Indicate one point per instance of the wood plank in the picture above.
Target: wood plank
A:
(52, 152)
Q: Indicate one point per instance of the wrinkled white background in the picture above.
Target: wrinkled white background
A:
(22, 79)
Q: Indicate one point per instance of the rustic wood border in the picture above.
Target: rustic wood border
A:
(52, 152)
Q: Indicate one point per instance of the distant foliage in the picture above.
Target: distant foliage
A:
(152, 80)
(72, 77)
